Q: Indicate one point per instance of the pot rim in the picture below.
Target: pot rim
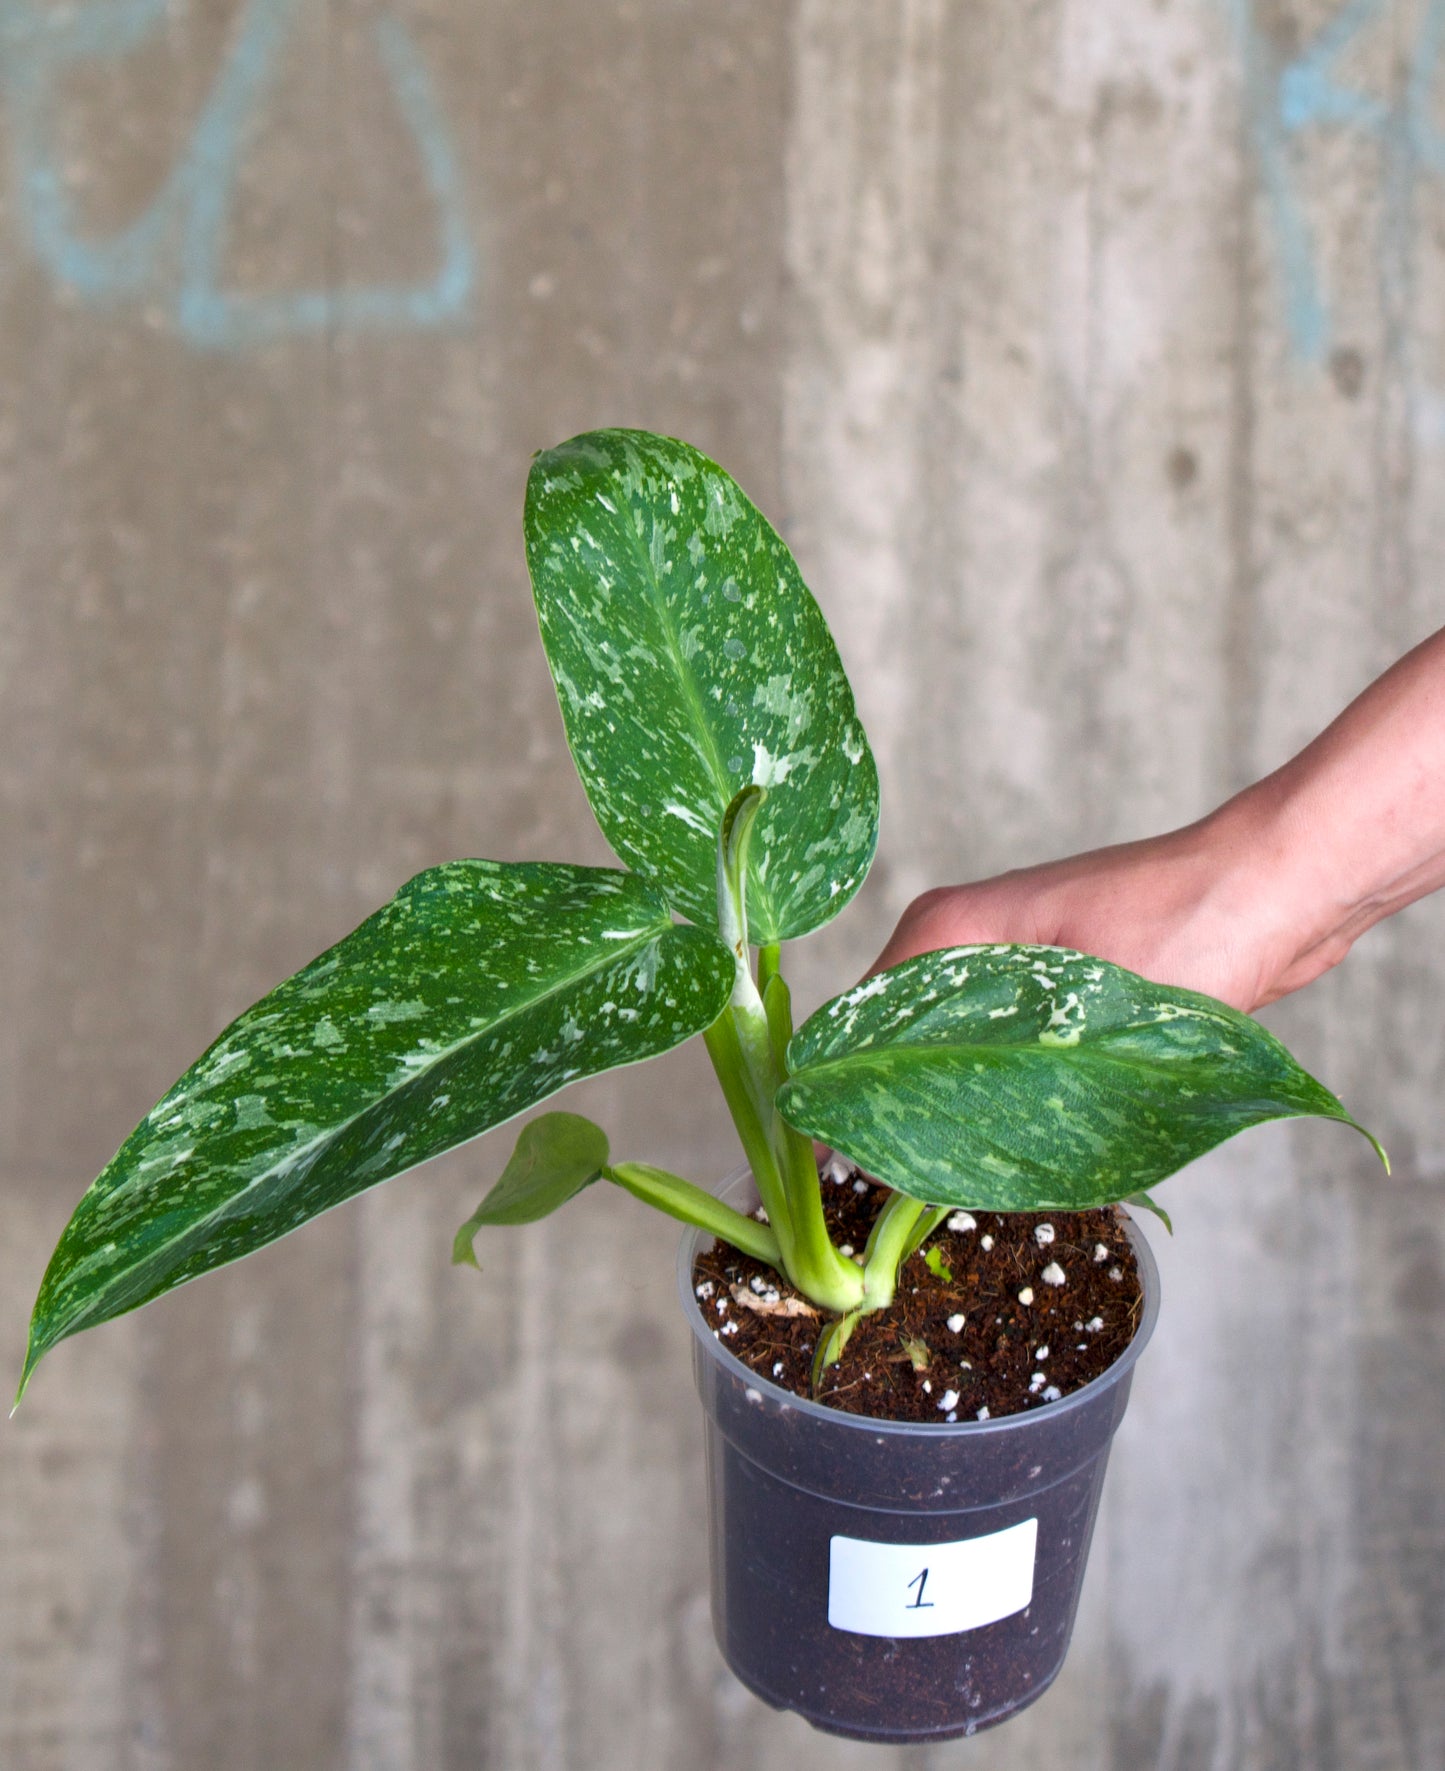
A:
(710, 1344)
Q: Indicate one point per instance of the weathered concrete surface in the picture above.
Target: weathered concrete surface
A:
(1090, 358)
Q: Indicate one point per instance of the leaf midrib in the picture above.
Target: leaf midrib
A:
(1090, 1051)
(1044, 1172)
(692, 693)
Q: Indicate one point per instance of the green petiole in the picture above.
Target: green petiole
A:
(681, 1199)
(889, 1244)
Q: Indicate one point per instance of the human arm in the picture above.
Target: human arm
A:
(1265, 893)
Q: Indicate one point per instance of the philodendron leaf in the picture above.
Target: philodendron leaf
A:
(479, 990)
(1031, 1078)
(690, 659)
(557, 1155)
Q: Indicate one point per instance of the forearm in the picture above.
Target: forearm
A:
(1353, 828)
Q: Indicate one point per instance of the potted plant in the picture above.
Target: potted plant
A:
(715, 733)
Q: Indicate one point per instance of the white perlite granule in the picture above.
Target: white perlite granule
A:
(955, 1324)
(1043, 1234)
(949, 1399)
(962, 1220)
(1053, 1274)
(1026, 1296)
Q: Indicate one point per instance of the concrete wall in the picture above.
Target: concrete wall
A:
(1090, 357)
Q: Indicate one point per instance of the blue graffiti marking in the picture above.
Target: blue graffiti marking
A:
(1305, 93)
(173, 250)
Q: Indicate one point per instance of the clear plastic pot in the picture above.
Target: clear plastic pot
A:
(893, 1581)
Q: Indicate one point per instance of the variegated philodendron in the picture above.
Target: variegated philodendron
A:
(715, 733)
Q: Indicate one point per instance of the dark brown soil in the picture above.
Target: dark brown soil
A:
(914, 1361)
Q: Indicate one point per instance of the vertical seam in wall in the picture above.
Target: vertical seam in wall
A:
(1393, 404)
(1241, 685)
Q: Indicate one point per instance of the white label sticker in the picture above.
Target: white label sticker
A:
(936, 1589)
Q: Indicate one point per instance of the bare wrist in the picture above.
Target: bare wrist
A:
(1275, 872)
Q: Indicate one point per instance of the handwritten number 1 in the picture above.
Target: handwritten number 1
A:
(920, 1603)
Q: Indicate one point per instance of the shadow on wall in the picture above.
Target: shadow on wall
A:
(171, 254)
(1290, 93)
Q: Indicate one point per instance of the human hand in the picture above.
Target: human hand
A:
(1202, 908)
(1264, 894)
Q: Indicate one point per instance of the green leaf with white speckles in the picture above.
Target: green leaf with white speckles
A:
(479, 990)
(1033, 1078)
(690, 660)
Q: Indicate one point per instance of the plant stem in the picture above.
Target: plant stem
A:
(781, 1158)
(691, 1205)
(725, 1049)
(750, 1069)
(924, 1229)
(888, 1246)
(831, 1278)
(768, 957)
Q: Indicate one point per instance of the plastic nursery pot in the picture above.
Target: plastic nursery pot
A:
(893, 1581)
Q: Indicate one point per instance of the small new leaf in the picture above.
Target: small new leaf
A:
(831, 1343)
(557, 1155)
(934, 1261)
(732, 861)
(1147, 1202)
(778, 1007)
